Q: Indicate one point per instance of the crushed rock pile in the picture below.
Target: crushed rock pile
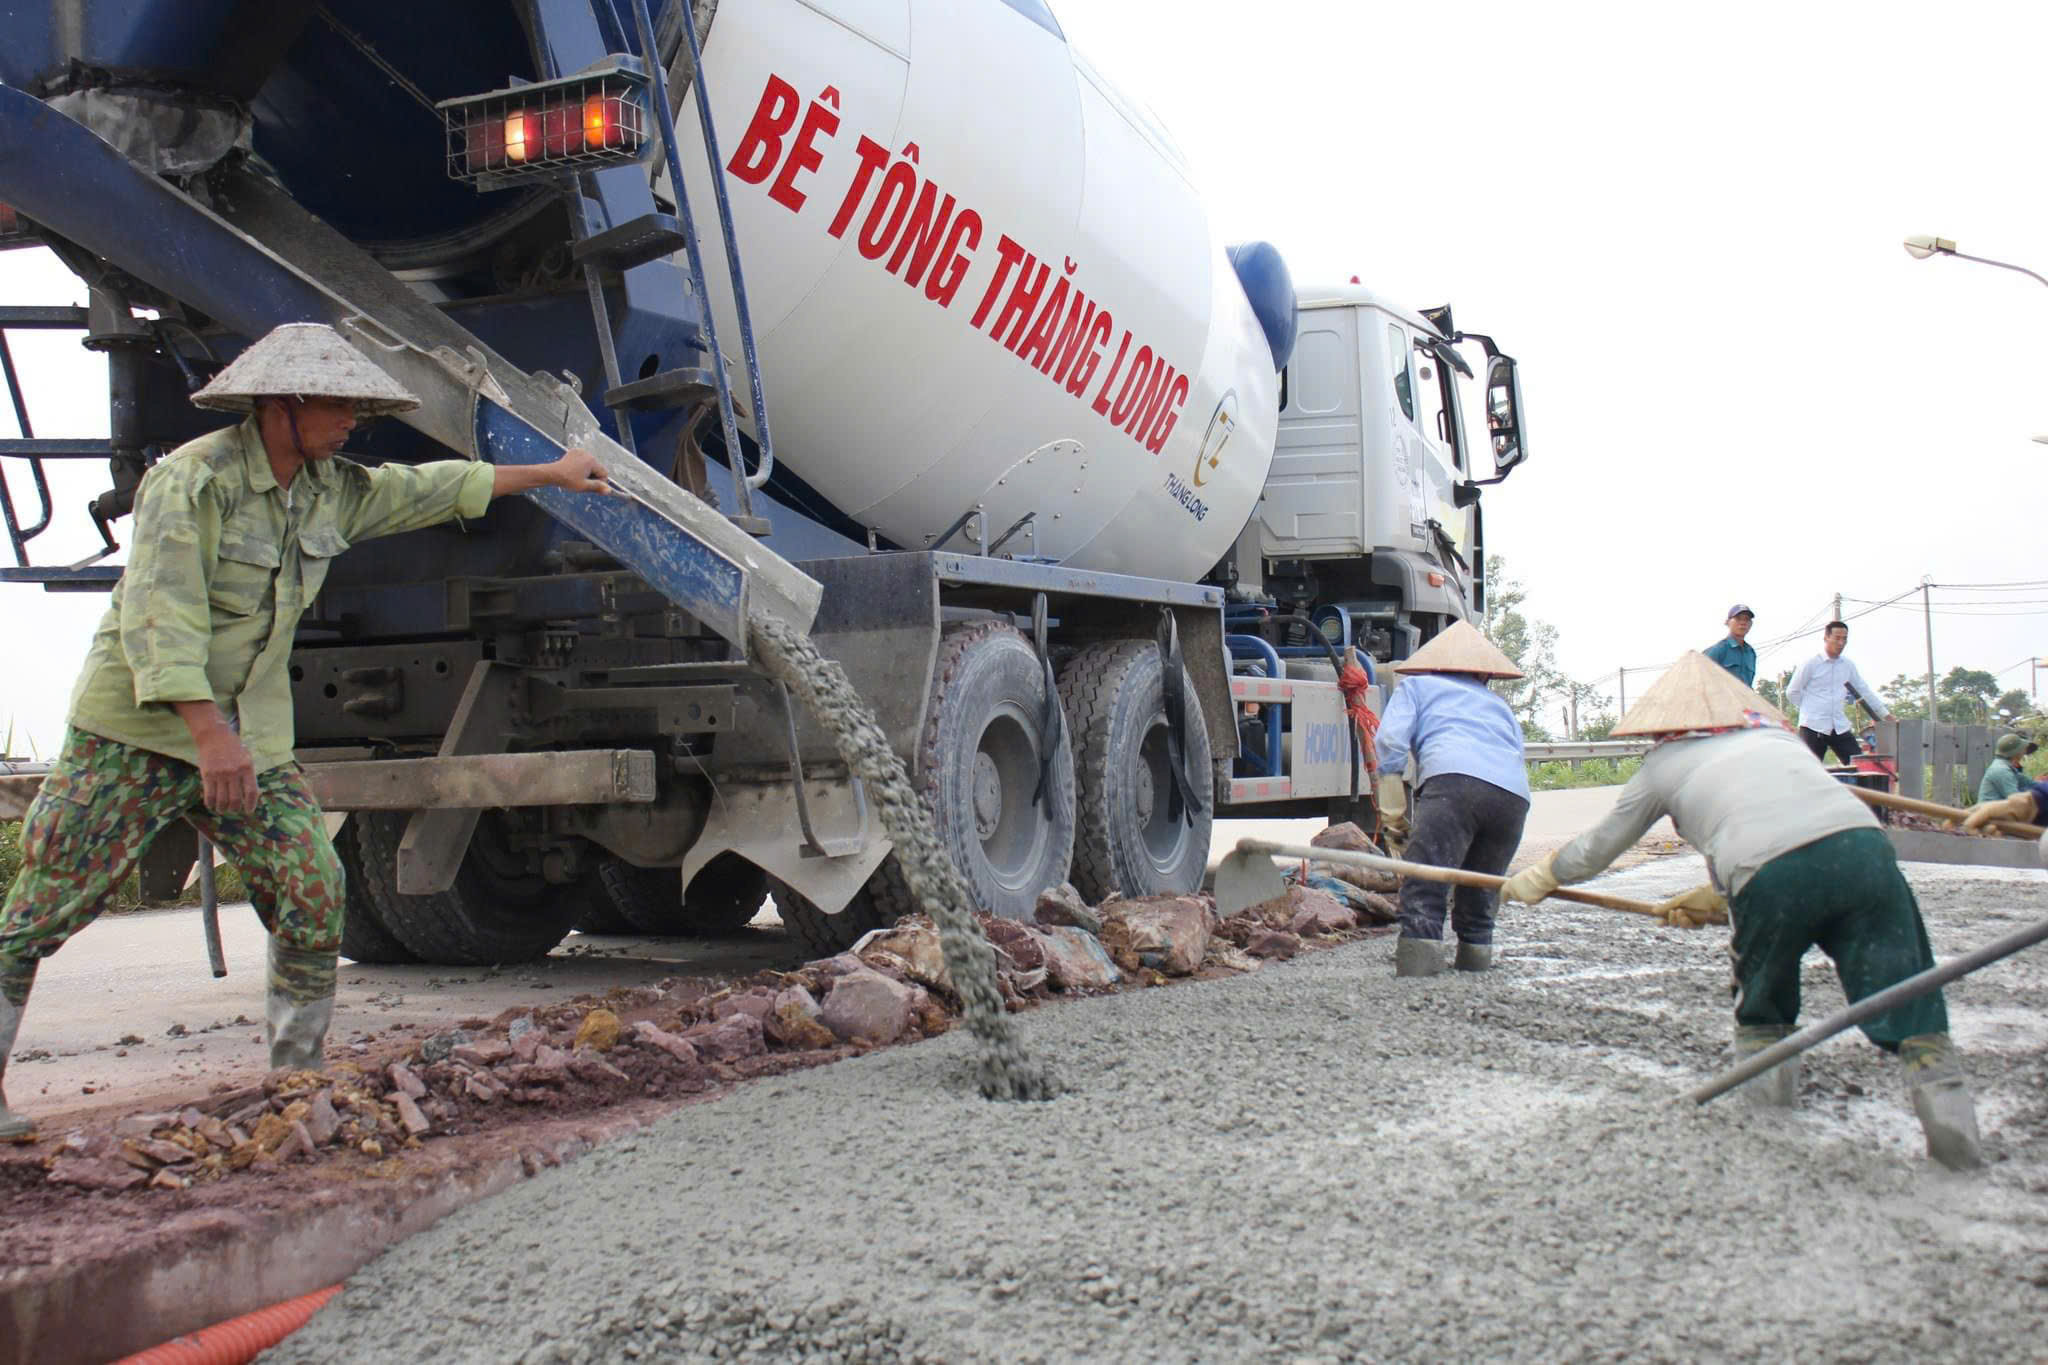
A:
(678, 1038)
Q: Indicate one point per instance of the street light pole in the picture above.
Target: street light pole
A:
(1922, 245)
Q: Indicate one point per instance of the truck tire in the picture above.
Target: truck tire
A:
(599, 915)
(977, 773)
(364, 938)
(487, 917)
(723, 897)
(820, 934)
(1125, 843)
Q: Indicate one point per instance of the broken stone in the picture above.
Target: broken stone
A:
(1076, 960)
(214, 1131)
(404, 1082)
(1273, 943)
(527, 1043)
(1377, 908)
(94, 1173)
(168, 1179)
(321, 1119)
(793, 1025)
(654, 1036)
(270, 1132)
(519, 1028)
(868, 1007)
(759, 1002)
(1169, 934)
(599, 1030)
(160, 1152)
(1321, 913)
(1017, 941)
(410, 1115)
(733, 1038)
(440, 1045)
(909, 949)
(300, 1143)
(1228, 956)
(1062, 906)
(485, 1052)
(586, 1065)
(142, 1125)
(1348, 837)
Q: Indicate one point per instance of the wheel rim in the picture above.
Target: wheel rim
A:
(1004, 775)
(1164, 836)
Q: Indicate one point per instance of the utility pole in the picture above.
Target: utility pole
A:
(1572, 705)
(1927, 743)
(1838, 608)
(1624, 691)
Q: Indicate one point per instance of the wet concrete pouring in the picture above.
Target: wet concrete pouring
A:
(1309, 1158)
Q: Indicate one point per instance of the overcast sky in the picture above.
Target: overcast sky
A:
(1686, 228)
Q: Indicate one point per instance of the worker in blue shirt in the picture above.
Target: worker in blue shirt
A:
(1734, 653)
(1462, 748)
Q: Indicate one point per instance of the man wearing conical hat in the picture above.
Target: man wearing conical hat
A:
(184, 707)
(1801, 863)
(1471, 791)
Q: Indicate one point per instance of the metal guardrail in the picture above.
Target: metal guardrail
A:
(1575, 752)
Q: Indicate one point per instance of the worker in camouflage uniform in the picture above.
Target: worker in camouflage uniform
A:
(1800, 863)
(184, 706)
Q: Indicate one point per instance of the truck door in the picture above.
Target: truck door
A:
(1442, 427)
(1315, 496)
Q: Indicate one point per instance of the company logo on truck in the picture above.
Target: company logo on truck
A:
(930, 241)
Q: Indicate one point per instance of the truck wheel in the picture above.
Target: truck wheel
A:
(364, 938)
(821, 934)
(724, 895)
(1127, 843)
(495, 911)
(979, 770)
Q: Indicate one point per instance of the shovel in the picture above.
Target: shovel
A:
(1247, 876)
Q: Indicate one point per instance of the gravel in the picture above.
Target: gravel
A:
(1312, 1162)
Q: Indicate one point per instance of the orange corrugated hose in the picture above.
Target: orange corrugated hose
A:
(238, 1339)
(1353, 683)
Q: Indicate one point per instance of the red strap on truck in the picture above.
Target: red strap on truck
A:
(1351, 680)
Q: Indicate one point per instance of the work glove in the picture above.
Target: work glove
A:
(1392, 801)
(1695, 909)
(2019, 807)
(1531, 884)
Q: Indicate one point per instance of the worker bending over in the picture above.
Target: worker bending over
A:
(1471, 791)
(1801, 862)
(184, 709)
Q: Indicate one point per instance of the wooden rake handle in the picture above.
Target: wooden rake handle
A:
(1940, 812)
(1456, 876)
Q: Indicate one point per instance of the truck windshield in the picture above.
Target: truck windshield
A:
(1037, 13)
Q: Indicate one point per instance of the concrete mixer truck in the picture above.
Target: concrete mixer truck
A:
(894, 320)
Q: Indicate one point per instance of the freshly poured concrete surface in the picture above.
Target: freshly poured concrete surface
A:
(1313, 1162)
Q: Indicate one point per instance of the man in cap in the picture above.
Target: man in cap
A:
(1822, 690)
(2004, 776)
(1471, 791)
(1734, 653)
(1801, 862)
(184, 707)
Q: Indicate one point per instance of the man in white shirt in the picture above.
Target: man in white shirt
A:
(1822, 690)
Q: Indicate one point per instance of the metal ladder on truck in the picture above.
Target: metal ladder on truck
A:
(257, 259)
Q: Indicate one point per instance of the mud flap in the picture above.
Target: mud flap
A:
(1181, 802)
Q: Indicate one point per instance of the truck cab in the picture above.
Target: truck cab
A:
(1372, 503)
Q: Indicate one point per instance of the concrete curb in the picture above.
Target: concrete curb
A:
(209, 1266)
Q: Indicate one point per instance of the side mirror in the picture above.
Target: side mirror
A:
(1504, 415)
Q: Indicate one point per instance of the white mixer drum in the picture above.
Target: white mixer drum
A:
(981, 279)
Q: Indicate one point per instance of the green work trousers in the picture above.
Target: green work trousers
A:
(1845, 894)
(97, 812)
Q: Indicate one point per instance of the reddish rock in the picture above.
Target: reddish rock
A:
(410, 1114)
(795, 1021)
(1076, 960)
(1324, 914)
(1274, 943)
(759, 1002)
(160, 1152)
(484, 1053)
(321, 1120)
(731, 1039)
(94, 1173)
(1347, 836)
(1062, 907)
(586, 1065)
(526, 1044)
(1019, 942)
(168, 1179)
(142, 1125)
(1169, 934)
(404, 1082)
(908, 950)
(868, 1007)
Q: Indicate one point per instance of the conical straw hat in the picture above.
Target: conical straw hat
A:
(1461, 649)
(304, 360)
(1695, 694)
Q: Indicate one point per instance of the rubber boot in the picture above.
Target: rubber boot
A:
(1777, 1088)
(14, 988)
(1474, 957)
(1418, 957)
(1941, 1099)
(299, 1006)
